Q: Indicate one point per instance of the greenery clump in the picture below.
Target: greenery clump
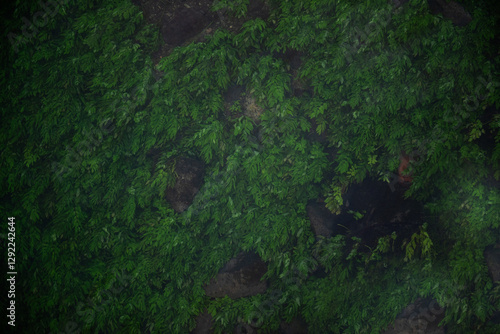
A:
(100, 249)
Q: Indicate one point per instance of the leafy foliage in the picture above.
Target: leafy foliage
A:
(83, 111)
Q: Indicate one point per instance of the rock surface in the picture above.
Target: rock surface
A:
(450, 10)
(422, 316)
(189, 180)
(204, 323)
(185, 24)
(240, 277)
(322, 220)
(492, 257)
(383, 210)
(296, 326)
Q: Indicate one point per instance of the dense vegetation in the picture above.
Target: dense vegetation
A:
(100, 248)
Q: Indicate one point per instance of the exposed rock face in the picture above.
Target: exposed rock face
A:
(251, 108)
(380, 205)
(422, 316)
(189, 180)
(399, 3)
(257, 8)
(370, 235)
(240, 277)
(492, 257)
(296, 326)
(293, 61)
(203, 323)
(322, 220)
(185, 24)
(322, 138)
(248, 104)
(384, 211)
(369, 196)
(243, 328)
(450, 10)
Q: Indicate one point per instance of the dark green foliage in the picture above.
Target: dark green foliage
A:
(100, 249)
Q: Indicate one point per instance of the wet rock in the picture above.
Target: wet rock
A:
(399, 3)
(248, 104)
(257, 8)
(292, 59)
(240, 277)
(313, 134)
(232, 97)
(189, 180)
(450, 10)
(185, 24)
(233, 93)
(383, 211)
(381, 205)
(495, 318)
(422, 316)
(251, 108)
(204, 323)
(243, 328)
(322, 220)
(492, 257)
(370, 235)
(319, 272)
(296, 326)
(366, 196)
(154, 155)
